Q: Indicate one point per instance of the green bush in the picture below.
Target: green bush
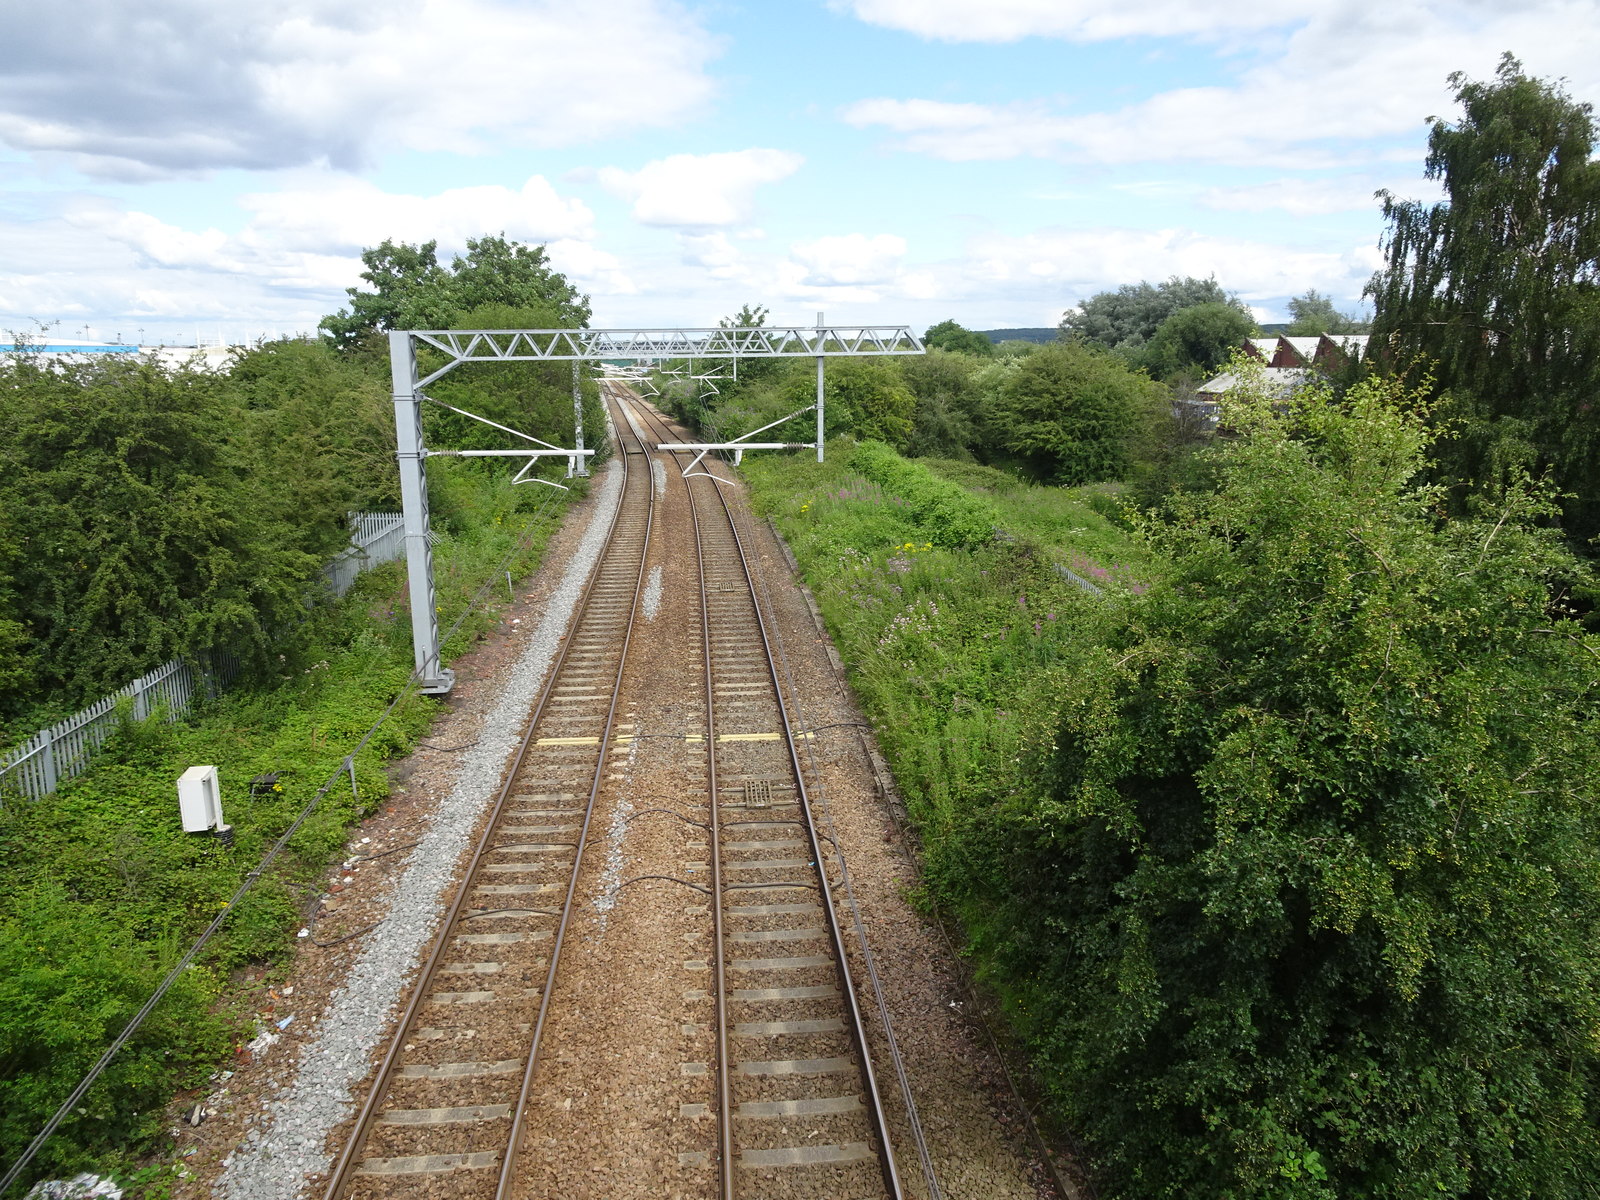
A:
(948, 514)
(1300, 901)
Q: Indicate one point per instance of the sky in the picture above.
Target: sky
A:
(180, 168)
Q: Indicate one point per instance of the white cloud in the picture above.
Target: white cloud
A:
(343, 215)
(1076, 20)
(1074, 264)
(714, 254)
(851, 259)
(290, 261)
(175, 86)
(591, 269)
(1351, 75)
(1308, 197)
(699, 191)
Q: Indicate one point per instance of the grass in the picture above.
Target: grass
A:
(951, 651)
(1064, 522)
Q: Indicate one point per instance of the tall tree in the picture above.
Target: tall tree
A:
(497, 271)
(1313, 314)
(1075, 414)
(1493, 289)
(1200, 337)
(1127, 318)
(407, 293)
(1302, 905)
(947, 335)
(410, 290)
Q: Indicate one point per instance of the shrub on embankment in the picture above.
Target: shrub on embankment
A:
(947, 513)
(1284, 869)
(100, 891)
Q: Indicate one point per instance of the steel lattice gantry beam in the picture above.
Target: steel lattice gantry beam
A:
(820, 341)
(758, 341)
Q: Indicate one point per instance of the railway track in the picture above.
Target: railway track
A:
(799, 1111)
(788, 1103)
(445, 1112)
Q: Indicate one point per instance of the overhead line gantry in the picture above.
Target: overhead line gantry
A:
(577, 346)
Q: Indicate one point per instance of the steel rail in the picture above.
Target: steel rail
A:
(508, 1165)
(340, 1177)
(876, 1112)
(724, 1085)
(714, 836)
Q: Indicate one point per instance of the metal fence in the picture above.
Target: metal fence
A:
(376, 537)
(40, 764)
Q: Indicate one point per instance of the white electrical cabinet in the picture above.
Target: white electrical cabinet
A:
(199, 801)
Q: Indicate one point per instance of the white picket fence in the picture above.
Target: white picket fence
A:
(40, 764)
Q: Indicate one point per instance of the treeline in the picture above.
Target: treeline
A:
(1103, 403)
(1063, 412)
(148, 511)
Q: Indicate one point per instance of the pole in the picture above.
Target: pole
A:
(435, 680)
(577, 417)
(820, 361)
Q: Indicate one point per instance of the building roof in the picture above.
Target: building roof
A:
(1280, 381)
(1350, 343)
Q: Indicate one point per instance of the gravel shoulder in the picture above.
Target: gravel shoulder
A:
(263, 1129)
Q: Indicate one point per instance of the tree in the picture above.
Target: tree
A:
(1127, 318)
(497, 271)
(864, 396)
(1200, 337)
(1494, 289)
(408, 293)
(945, 384)
(1301, 902)
(412, 291)
(147, 524)
(947, 335)
(1313, 314)
(1074, 414)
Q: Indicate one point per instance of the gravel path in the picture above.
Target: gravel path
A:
(274, 1159)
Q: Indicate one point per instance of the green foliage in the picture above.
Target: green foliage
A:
(69, 982)
(1085, 529)
(1073, 414)
(949, 403)
(948, 515)
(1492, 291)
(151, 512)
(865, 397)
(957, 339)
(1199, 338)
(410, 290)
(1300, 902)
(1127, 318)
(1313, 314)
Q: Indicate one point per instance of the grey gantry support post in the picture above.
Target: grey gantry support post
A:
(434, 679)
(820, 360)
(577, 417)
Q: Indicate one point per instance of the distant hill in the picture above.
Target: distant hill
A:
(1048, 334)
